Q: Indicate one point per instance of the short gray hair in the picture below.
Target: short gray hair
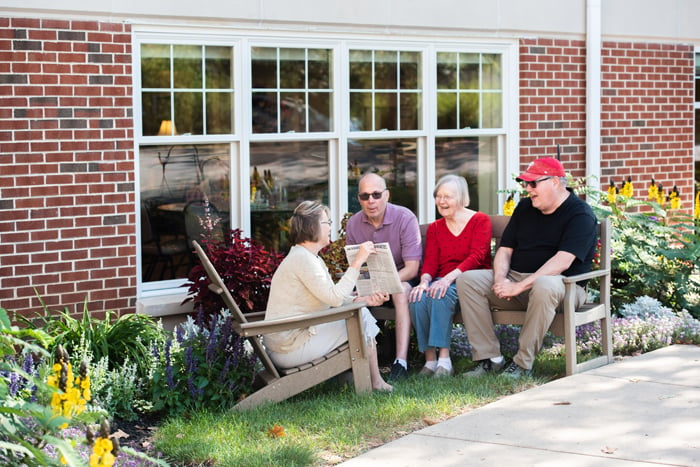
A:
(460, 183)
(305, 224)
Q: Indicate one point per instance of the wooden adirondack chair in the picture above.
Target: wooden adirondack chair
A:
(274, 384)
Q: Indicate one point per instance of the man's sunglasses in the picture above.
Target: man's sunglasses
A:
(375, 195)
(533, 184)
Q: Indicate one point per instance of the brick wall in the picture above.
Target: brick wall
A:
(553, 102)
(67, 166)
(647, 127)
(647, 116)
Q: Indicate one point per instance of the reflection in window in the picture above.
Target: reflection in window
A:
(291, 90)
(186, 89)
(469, 91)
(175, 183)
(475, 159)
(385, 90)
(282, 176)
(395, 160)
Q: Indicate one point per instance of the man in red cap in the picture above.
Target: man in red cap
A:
(551, 234)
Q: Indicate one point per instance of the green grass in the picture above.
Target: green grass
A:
(330, 423)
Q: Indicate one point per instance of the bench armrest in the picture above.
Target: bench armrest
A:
(586, 276)
(299, 321)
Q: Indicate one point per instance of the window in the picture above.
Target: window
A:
(385, 90)
(469, 90)
(186, 89)
(292, 90)
(296, 132)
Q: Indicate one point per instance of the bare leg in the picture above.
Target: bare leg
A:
(430, 355)
(403, 321)
(378, 383)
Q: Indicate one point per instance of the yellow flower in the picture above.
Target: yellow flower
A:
(696, 211)
(627, 188)
(675, 198)
(612, 193)
(653, 191)
(509, 206)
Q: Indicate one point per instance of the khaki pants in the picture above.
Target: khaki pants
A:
(541, 303)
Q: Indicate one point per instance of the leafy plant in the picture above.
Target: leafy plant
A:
(205, 366)
(245, 266)
(655, 252)
(334, 253)
(117, 351)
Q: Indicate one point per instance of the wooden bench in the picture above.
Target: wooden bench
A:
(565, 323)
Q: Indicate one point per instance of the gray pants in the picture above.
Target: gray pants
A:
(541, 303)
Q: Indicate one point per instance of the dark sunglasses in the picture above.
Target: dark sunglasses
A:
(375, 195)
(533, 184)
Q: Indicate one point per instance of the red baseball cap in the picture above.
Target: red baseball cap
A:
(545, 166)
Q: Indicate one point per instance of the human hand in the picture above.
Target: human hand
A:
(363, 252)
(376, 299)
(506, 289)
(438, 289)
(416, 292)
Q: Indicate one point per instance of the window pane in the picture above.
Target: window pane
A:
(361, 69)
(292, 112)
(447, 110)
(395, 160)
(410, 109)
(219, 68)
(476, 160)
(491, 69)
(320, 111)
(468, 110)
(385, 111)
(155, 108)
(447, 70)
(385, 70)
(410, 70)
(155, 66)
(188, 113)
(171, 178)
(187, 66)
(361, 111)
(219, 113)
(319, 69)
(491, 112)
(264, 67)
(292, 69)
(469, 71)
(287, 174)
(265, 112)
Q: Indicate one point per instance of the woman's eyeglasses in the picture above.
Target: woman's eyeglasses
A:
(533, 184)
(327, 222)
(375, 195)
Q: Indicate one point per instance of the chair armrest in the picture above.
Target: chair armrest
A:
(299, 321)
(586, 275)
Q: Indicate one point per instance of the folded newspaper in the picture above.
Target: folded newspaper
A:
(380, 275)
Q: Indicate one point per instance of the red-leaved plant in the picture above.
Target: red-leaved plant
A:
(245, 266)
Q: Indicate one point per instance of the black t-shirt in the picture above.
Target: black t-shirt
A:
(536, 237)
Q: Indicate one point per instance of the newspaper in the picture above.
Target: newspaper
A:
(380, 275)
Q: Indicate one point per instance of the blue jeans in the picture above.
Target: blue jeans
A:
(432, 319)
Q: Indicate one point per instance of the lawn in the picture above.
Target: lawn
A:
(330, 423)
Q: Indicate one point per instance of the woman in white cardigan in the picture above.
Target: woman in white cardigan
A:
(302, 284)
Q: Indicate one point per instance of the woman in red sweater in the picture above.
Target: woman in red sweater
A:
(458, 242)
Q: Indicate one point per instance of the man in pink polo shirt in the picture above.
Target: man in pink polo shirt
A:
(381, 221)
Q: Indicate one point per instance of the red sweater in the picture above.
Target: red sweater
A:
(471, 249)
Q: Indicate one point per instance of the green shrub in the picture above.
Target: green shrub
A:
(118, 352)
(655, 252)
(205, 366)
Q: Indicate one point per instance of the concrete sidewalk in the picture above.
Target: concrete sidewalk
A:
(639, 411)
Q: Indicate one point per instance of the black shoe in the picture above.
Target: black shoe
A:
(515, 371)
(486, 367)
(398, 372)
